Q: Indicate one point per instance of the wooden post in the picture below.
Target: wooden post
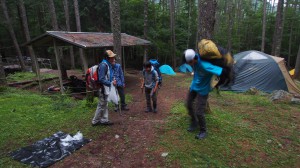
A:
(37, 68)
(58, 66)
(123, 55)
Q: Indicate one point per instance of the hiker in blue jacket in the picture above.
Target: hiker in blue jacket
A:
(119, 76)
(105, 78)
(199, 90)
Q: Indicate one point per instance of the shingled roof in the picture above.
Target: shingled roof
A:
(84, 39)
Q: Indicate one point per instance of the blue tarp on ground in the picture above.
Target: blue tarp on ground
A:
(185, 68)
(166, 69)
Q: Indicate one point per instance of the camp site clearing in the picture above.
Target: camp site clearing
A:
(244, 130)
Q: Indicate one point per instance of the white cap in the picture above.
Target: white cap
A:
(189, 55)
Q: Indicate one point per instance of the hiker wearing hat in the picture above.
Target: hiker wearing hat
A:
(199, 90)
(119, 76)
(105, 78)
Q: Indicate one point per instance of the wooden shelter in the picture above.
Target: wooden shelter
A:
(84, 40)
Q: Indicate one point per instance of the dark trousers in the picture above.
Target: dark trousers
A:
(148, 92)
(122, 95)
(199, 111)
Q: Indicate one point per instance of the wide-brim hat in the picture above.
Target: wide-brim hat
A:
(110, 54)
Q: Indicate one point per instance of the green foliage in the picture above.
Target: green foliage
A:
(95, 17)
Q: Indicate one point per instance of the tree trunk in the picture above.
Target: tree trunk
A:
(54, 23)
(10, 29)
(78, 26)
(2, 73)
(145, 28)
(67, 16)
(189, 23)
(206, 18)
(291, 34)
(206, 21)
(35, 66)
(230, 25)
(23, 16)
(263, 27)
(116, 27)
(40, 14)
(172, 26)
(53, 15)
(297, 67)
(277, 36)
(239, 18)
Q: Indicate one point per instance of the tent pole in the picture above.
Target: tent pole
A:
(58, 66)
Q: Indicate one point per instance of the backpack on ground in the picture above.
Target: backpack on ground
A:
(91, 78)
(155, 65)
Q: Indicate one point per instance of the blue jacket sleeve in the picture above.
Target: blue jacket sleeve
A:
(122, 76)
(102, 71)
(216, 70)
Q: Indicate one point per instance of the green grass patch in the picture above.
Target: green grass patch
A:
(24, 76)
(27, 117)
(243, 131)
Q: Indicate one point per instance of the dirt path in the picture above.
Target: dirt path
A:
(138, 132)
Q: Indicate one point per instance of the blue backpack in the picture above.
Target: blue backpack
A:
(156, 64)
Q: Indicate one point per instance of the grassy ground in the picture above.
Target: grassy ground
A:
(243, 131)
(27, 117)
(24, 117)
(22, 76)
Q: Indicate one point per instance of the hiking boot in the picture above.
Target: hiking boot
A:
(97, 123)
(124, 108)
(193, 126)
(116, 108)
(148, 110)
(106, 123)
(201, 135)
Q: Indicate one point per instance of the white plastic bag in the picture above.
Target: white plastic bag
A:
(76, 137)
(113, 95)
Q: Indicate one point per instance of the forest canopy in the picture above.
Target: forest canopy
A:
(238, 24)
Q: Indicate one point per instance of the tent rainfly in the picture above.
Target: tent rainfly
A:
(261, 71)
(185, 68)
(166, 69)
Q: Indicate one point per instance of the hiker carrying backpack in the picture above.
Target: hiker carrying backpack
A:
(91, 78)
(155, 65)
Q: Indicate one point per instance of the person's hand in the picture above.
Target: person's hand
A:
(124, 86)
(142, 87)
(114, 82)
